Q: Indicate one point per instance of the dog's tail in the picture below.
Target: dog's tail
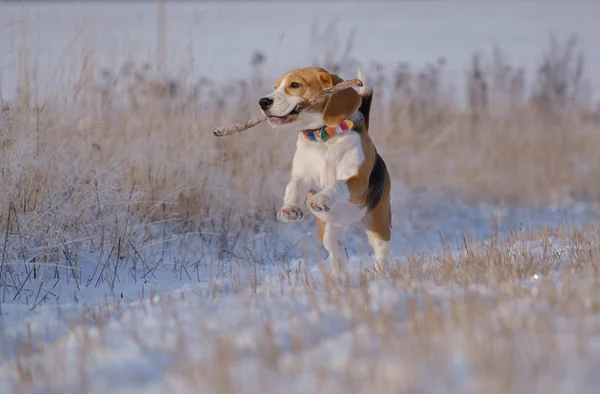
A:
(366, 94)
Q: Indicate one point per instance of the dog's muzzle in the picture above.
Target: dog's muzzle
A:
(265, 103)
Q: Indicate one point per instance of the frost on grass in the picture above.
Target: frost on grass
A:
(481, 318)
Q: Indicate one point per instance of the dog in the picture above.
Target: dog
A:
(336, 170)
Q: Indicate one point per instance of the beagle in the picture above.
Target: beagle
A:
(336, 170)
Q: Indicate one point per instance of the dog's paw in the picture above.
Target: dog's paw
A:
(289, 214)
(320, 202)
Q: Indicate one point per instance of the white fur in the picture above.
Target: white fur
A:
(381, 248)
(326, 167)
(363, 77)
(283, 103)
(331, 243)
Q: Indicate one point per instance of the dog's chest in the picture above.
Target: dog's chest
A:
(319, 164)
(310, 164)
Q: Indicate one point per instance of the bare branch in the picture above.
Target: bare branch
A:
(236, 128)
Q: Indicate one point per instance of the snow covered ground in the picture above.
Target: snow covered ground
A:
(182, 325)
(311, 334)
(251, 309)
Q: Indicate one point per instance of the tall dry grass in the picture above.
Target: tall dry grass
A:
(121, 156)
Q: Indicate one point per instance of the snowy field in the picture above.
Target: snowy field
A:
(114, 279)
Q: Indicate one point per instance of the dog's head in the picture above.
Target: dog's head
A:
(301, 84)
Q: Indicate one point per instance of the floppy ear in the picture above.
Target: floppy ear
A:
(341, 105)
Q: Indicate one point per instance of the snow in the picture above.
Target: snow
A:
(150, 346)
(150, 327)
(153, 334)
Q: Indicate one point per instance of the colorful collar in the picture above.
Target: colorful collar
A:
(324, 133)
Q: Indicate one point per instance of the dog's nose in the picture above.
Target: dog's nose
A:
(265, 102)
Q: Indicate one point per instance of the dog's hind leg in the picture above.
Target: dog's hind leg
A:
(381, 248)
(378, 225)
(330, 236)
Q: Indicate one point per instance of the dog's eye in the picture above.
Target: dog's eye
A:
(294, 85)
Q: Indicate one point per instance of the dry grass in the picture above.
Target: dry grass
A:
(516, 141)
(121, 157)
(134, 143)
(471, 321)
(139, 135)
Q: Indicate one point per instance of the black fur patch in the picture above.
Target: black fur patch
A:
(365, 107)
(376, 183)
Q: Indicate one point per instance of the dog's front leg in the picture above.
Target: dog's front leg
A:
(343, 163)
(294, 191)
(328, 197)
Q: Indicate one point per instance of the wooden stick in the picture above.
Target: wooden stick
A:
(236, 128)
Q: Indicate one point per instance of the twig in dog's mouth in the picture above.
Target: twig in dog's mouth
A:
(236, 128)
(292, 116)
(292, 112)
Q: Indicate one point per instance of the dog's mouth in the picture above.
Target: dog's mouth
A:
(291, 117)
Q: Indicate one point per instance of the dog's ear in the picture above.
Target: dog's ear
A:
(341, 105)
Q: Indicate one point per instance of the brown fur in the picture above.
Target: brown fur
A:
(314, 79)
(359, 183)
(321, 225)
(379, 220)
(340, 106)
